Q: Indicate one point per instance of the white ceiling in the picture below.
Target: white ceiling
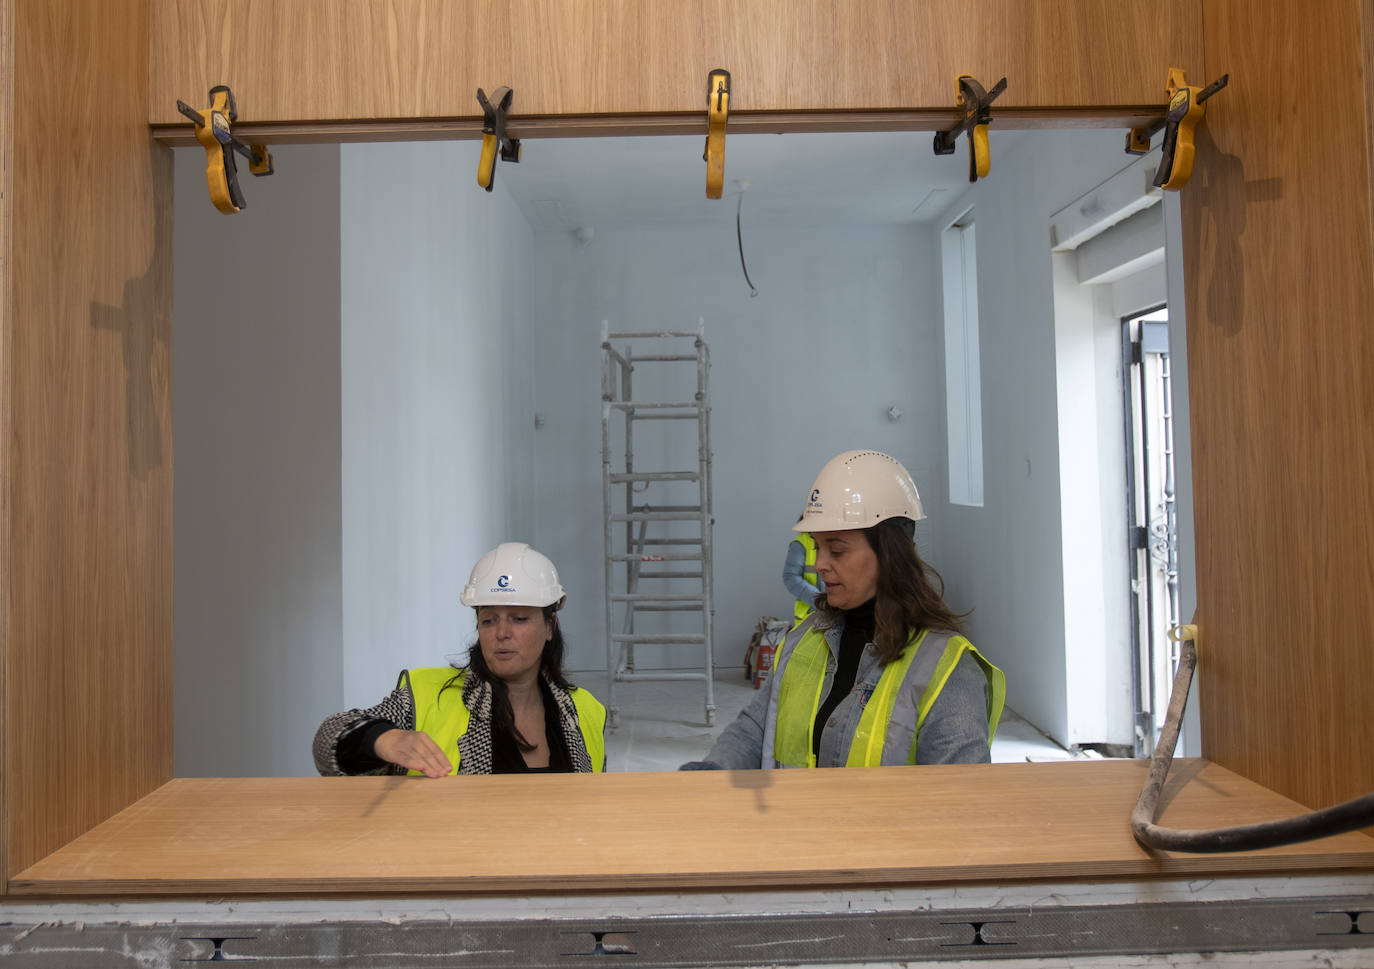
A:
(830, 179)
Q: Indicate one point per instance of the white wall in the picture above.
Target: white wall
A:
(1190, 740)
(356, 425)
(354, 397)
(1004, 560)
(843, 327)
(1092, 506)
(256, 512)
(438, 394)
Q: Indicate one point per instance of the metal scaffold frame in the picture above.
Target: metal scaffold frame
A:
(645, 527)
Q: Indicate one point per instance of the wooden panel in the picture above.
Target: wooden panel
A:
(88, 473)
(313, 60)
(181, 134)
(1281, 276)
(1367, 34)
(6, 194)
(665, 831)
(1280, 280)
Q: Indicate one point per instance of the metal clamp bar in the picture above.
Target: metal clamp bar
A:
(661, 675)
(656, 596)
(661, 638)
(656, 476)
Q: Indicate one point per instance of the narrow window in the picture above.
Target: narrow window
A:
(963, 382)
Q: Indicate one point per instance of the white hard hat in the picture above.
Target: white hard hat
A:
(513, 574)
(858, 489)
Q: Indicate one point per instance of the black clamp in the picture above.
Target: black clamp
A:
(215, 133)
(977, 105)
(494, 135)
(1180, 118)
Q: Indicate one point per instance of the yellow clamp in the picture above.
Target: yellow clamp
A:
(494, 136)
(1178, 634)
(717, 113)
(977, 105)
(215, 133)
(1187, 633)
(1180, 119)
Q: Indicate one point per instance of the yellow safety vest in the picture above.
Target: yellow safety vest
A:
(799, 698)
(445, 718)
(800, 610)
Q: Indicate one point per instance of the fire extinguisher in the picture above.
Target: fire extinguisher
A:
(763, 661)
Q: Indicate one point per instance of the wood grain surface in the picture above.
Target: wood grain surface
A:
(379, 60)
(87, 460)
(6, 194)
(1279, 261)
(1280, 265)
(665, 831)
(181, 134)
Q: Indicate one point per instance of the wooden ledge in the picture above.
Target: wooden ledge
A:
(669, 831)
(179, 133)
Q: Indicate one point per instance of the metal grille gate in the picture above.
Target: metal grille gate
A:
(656, 562)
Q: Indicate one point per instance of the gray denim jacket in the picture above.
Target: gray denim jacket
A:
(955, 730)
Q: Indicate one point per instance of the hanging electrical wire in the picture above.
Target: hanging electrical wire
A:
(1348, 816)
(739, 237)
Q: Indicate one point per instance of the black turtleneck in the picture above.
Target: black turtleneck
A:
(505, 752)
(858, 633)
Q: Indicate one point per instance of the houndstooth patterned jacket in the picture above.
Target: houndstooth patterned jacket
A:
(474, 747)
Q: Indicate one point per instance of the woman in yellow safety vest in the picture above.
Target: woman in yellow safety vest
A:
(510, 710)
(880, 673)
(799, 574)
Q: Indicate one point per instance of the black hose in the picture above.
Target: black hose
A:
(1349, 816)
(739, 237)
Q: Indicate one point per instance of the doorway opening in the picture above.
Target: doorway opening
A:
(1152, 517)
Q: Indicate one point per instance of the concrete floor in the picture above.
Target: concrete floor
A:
(662, 724)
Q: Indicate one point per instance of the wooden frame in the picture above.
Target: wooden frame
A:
(670, 832)
(1278, 241)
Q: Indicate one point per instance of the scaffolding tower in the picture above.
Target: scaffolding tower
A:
(657, 522)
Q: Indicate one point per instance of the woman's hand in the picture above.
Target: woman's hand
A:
(412, 750)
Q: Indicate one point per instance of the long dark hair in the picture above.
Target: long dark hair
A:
(911, 594)
(550, 665)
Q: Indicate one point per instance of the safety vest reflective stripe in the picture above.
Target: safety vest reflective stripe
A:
(997, 688)
(866, 749)
(591, 721)
(442, 714)
(803, 609)
(870, 736)
(809, 568)
(803, 677)
(798, 698)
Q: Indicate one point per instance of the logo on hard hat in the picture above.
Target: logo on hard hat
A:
(503, 582)
(815, 496)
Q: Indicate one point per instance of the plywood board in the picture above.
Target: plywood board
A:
(87, 429)
(320, 60)
(1279, 262)
(667, 831)
(6, 194)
